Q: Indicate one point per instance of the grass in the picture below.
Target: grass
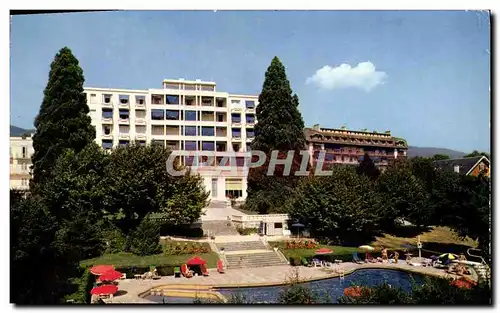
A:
(438, 239)
(300, 253)
(126, 259)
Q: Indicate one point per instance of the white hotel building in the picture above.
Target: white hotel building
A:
(185, 116)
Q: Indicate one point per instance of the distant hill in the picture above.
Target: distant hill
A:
(430, 151)
(18, 131)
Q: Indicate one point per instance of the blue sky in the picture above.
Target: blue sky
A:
(423, 75)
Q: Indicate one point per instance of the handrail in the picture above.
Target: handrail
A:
(477, 256)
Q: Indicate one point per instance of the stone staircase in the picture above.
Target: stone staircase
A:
(242, 246)
(219, 228)
(249, 253)
(260, 259)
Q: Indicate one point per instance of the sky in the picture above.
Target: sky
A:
(423, 75)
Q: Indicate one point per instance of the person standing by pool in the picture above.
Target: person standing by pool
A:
(384, 254)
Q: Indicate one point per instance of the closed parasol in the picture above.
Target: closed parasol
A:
(101, 269)
(104, 290)
(367, 247)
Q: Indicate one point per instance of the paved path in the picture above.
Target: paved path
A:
(130, 289)
(219, 212)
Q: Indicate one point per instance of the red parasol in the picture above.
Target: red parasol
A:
(104, 290)
(101, 269)
(196, 261)
(323, 251)
(110, 276)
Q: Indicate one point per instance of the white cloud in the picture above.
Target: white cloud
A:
(363, 76)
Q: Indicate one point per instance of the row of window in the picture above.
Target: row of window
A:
(159, 115)
(168, 99)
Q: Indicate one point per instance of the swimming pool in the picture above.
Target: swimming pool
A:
(333, 288)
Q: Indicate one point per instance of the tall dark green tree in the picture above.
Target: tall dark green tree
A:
(476, 153)
(280, 127)
(368, 168)
(63, 121)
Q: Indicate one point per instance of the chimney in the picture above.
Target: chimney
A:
(316, 127)
(456, 168)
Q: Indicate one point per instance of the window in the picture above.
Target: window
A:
(190, 146)
(190, 116)
(207, 131)
(234, 187)
(157, 114)
(142, 142)
(24, 166)
(123, 99)
(189, 160)
(107, 144)
(214, 187)
(235, 101)
(123, 114)
(278, 225)
(189, 87)
(107, 130)
(140, 99)
(240, 162)
(221, 103)
(189, 101)
(236, 117)
(93, 98)
(123, 143)
(236, 147)
(329, 157)
(207, 146)
(250, 104)
(236, 132)
(250, 133)
(160, 143)
(190, 131)
(207, 88)
(220, 117)
(24, 152)
(107, 98)
(172, 115)
(250, 119)
(171, 99)
(107, 113)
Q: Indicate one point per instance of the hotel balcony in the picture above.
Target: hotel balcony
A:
(140, 121)
(106, 120)
(107, 136)
(236, 138)
(236, 110)
(123, 103)
(124, 136)
(124, 121)
(140, 136)
(236, 122)
(140, 101)
(107, 104)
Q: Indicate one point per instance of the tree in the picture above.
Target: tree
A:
(76, 197)
(343, 207)
(63, 121)
(41, 268)
(405, 196)
(476, 153)
(145, 240)
(280, 128)
(367, 167)
(437, 157)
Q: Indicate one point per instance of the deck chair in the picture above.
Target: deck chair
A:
(356, 259)
(185, 271)
(220, 266)
(177, 271)
(304, 262)
(204, 270)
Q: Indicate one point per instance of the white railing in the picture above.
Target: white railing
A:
(258, 218)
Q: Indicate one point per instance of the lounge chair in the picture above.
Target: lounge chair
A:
(185, 271)
(317, 263)
(370, 259)
(356, 259)
(177, 272)
(204, 270)
(220, 266)
(304, 262)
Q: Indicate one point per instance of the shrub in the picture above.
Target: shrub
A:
(115, 240)
(246, 231)
(85, 284)
(145, 240)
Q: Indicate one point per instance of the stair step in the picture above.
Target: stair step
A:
(242, 246)
(253, 260)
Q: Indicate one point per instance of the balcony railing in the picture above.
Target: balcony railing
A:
(140, 135)
(123, 120)
(107, 104)
(107, 120)
(124, 135)
(140, 120)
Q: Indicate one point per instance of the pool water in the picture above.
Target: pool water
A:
(332, 288)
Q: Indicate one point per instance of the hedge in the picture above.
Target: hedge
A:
(85, 284)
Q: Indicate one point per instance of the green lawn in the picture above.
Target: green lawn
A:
(299, 253)
(126, 259)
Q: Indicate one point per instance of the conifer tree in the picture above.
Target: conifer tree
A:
(63, 121)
